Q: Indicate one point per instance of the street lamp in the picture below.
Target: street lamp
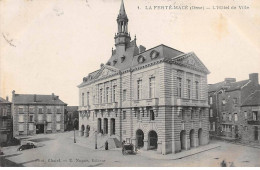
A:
(95, 139)
(74, 130)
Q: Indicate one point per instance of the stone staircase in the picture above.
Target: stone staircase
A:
(113, 141)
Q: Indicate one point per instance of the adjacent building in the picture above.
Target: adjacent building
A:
(250, 116)
(71, 118)
(232, 109)
(35, 114)
(156, 98)
(6, 130)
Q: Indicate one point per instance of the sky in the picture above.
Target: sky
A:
(48, 46)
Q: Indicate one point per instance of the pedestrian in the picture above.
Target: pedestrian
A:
(223, 163)
(106, 145)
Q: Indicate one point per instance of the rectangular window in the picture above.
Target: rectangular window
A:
(21, 128)
(58, 126)
(20, 110)
(31, 126)
(58, 110)
(58, 117)
(245, 113)
(124, 114)
(210, 113)
(151, 87)
(87, 98)
(124, 95)
(114, 93)
(235, 116)
(188, 89)
(21, 118)
(40, 110)
(49, 118)
(31, 110)
(200, 115)
(230, 117)
(49, 110)
(82, 99)
(139, 89)
(49, 126)
(40, 117)
(197, 89)
(223, 116)
(100, 95)
(255, 115)
(223, 102)
(31, 118)
(235, 100)
(151, 115)
(210, 100)
(107, 94)
(179, 84)
(214, 126)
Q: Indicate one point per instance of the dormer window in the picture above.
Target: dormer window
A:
(154, 54)
(141, 59)
(122, 59)
(108, 63)
(114, 62)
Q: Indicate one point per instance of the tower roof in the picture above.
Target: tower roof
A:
(122, 13)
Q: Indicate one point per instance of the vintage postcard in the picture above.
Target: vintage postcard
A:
(129, 83)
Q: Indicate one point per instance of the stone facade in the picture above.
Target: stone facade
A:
(228, 98)
(156, 98)
(6, 130)
(35, 114)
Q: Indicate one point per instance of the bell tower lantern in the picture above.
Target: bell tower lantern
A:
(122, 37)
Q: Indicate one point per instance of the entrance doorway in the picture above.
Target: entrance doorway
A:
(99, 125)
(105, 126)
(256, 133)
(139, 138)
(39, 128)
(152, 139)
(112, 126)
(200, 136)
(192, 138)
(183, 139)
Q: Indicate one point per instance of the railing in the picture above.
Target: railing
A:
(112, 105)
(190, 102)
(253, 122)
(146, 102)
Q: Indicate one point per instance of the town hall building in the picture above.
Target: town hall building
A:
(156, 98)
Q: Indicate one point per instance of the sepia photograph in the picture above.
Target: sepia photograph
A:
(129, 83)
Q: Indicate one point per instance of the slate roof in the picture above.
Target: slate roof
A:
(40, 99)
(4, 101)
(253, 99)
(229, 86)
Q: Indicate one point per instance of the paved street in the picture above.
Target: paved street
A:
(59, 150)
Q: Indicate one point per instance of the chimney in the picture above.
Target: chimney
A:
(52, 96)
(7, 98)
(13, 94)
(254, 78)
(141, 49)
(34, 97)
(230, 80)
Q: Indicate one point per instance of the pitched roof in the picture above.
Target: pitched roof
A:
(4, 101)
(237, 85)
(253, 99)
(229, 86)
(40, 99)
